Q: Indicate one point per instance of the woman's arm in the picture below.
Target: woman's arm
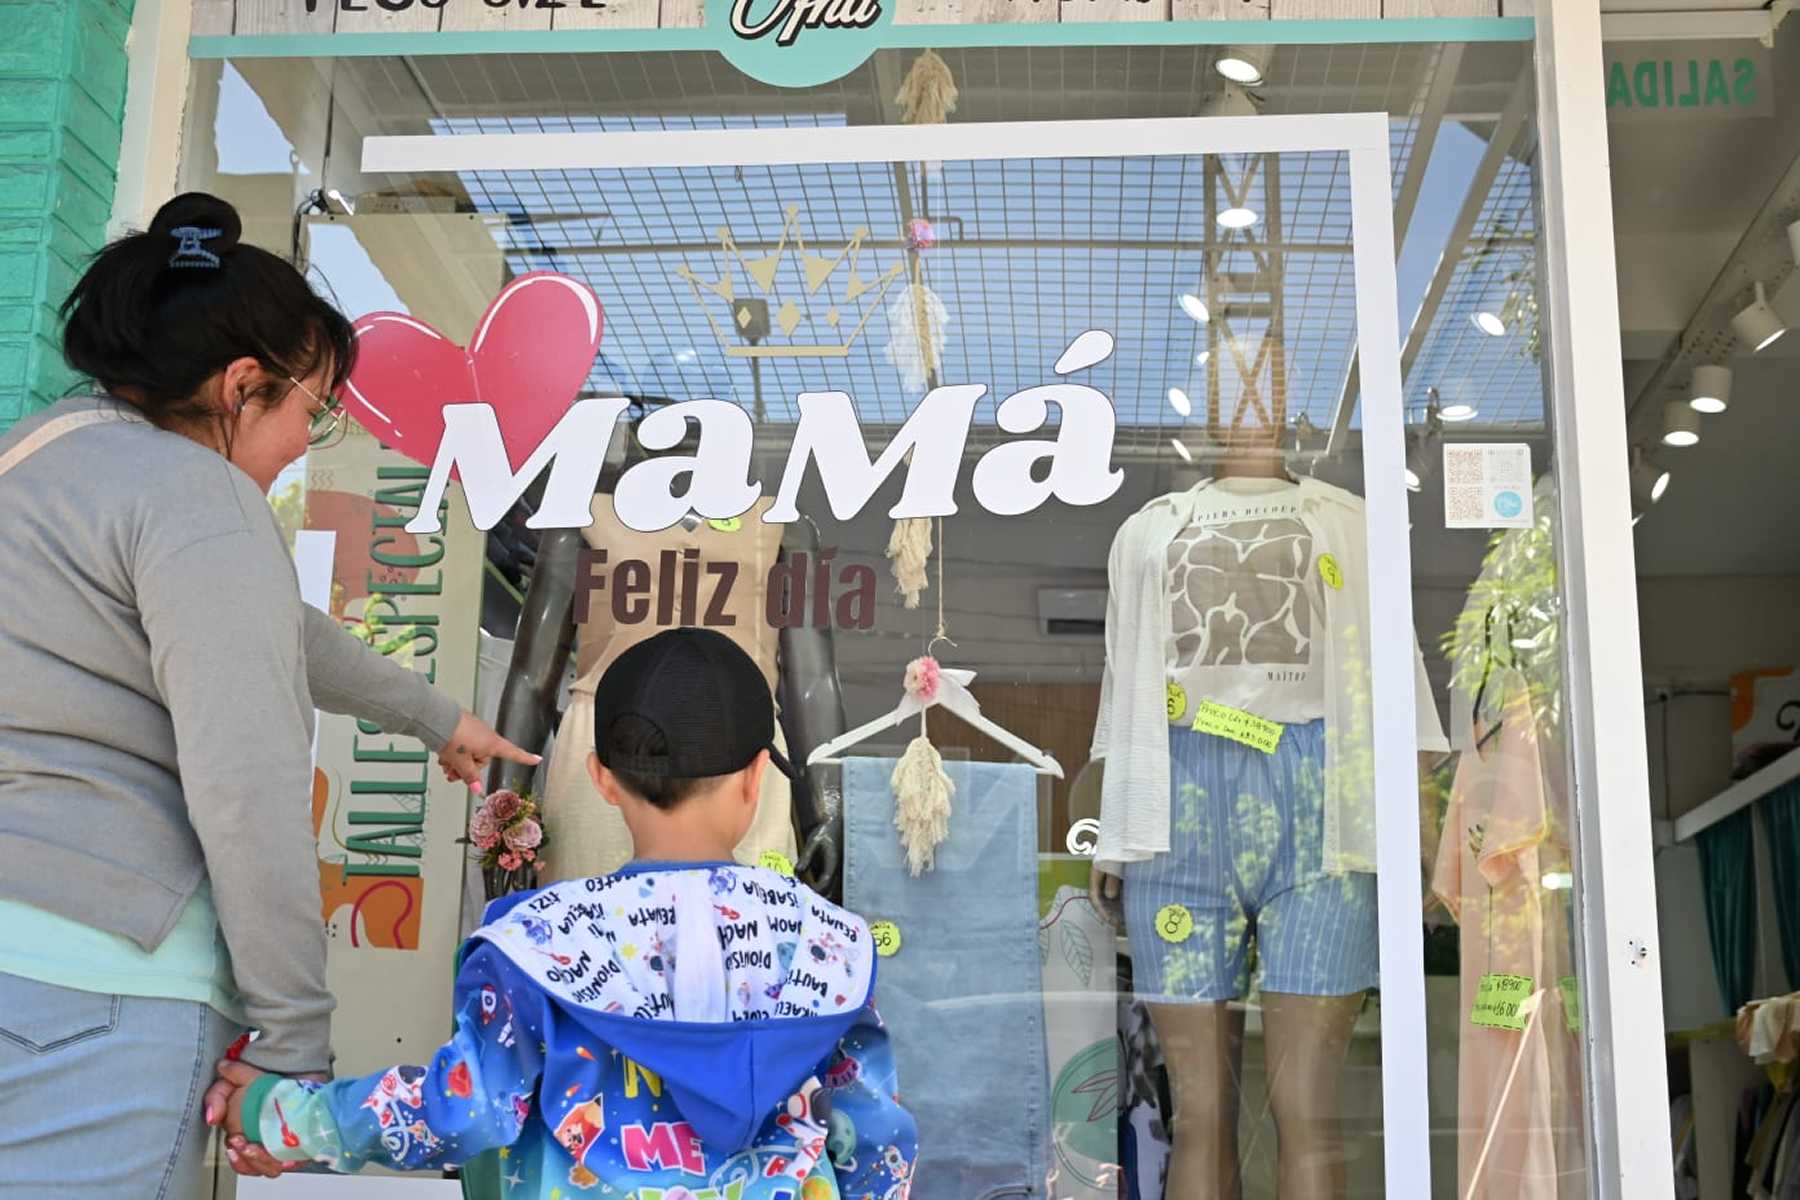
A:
(222, 617)
(348, 677)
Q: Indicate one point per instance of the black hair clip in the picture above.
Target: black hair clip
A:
(191, 252)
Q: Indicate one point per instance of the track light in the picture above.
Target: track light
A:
(1711, 390)
(1681, 424)
(1759, 326)
(1244, 65)
(1649, 480)
(1194, 307)
(1422, 447)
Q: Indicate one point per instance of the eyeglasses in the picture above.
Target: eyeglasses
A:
(327, 418)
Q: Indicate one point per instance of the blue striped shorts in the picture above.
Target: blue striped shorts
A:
(1246, 843)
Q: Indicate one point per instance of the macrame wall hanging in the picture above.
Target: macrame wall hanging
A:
(917, 317)
(922, 790)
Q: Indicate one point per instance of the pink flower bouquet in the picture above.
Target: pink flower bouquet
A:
(509, 841)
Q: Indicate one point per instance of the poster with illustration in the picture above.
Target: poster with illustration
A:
(387, 823)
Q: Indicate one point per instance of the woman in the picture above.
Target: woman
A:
(158, 675)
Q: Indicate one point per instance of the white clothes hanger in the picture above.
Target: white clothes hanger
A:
(952, 695)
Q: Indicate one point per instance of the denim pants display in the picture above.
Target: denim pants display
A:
(963, 996)
(100, 1095)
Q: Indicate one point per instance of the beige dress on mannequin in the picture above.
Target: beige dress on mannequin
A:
(587, 835)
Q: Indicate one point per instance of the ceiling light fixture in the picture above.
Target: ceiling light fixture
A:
(1200, 358)
(1243, 64)
(1759, 326)
(1711, 389)
(1422, 447)
(1181, 451)
(1681, 424)
(1649, 480)
(1459, 412)
(1489, 323)
(1195, 307)
(1237, 218)
(1178, 400)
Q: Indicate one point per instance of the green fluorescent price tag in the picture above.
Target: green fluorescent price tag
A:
(1500, 1001)
(887, 938)
(1222, 720)
(1571, 997)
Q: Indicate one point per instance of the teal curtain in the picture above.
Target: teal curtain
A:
(1728, 880)
(1781, 822)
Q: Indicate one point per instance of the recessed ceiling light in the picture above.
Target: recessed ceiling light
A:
(1489, 323)
(1195, 307)
(1681, 424)
(1178, 400)
(1181, 450)
(1237, 218)
(1458, 412)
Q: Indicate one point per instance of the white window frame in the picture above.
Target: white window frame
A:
(1625, 1062)
(1363, 137)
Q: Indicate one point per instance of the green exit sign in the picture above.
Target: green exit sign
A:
(1671, 79)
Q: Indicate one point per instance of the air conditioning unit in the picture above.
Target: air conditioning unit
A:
(1072, 612)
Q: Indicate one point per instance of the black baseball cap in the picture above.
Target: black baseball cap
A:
(703, 693)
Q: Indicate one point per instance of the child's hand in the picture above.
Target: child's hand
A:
(225, 1104)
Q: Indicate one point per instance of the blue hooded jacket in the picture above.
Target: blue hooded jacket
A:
(669, 1032)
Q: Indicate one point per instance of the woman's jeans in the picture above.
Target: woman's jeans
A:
(100, 1095)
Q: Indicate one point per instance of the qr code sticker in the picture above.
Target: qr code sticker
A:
(1464, 504)
(1464, 465)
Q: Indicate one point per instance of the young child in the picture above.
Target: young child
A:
(685, 1028)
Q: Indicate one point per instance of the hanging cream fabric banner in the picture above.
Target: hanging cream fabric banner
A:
(390, 868)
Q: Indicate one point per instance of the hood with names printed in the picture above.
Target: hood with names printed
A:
(730, 985)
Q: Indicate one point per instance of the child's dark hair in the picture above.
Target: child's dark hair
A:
(158, 313)
(629, 736)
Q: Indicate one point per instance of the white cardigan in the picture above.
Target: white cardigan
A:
(1132, 733)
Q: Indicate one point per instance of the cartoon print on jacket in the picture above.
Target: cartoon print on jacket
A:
(667, 1033)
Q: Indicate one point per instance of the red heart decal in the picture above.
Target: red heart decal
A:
(532, 351)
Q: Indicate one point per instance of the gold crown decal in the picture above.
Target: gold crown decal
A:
(746, 340)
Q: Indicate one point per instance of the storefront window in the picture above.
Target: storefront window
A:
(1154, 924)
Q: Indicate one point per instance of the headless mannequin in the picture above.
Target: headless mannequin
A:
(1305, 1037)
(810, 700)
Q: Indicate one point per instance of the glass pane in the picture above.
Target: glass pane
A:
(1195, 650)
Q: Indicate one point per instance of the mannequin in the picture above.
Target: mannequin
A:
(807, 690)
(1306, 1035)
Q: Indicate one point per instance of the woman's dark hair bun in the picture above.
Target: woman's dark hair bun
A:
(199, 210)
(159, 313)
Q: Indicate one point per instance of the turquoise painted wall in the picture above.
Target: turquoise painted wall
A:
(62, 97)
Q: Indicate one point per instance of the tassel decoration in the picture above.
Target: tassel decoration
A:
(909, 550)
(922, 794)
(927, 95)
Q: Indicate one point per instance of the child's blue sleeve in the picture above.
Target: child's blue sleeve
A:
(871, 1140)
(475, 1095)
